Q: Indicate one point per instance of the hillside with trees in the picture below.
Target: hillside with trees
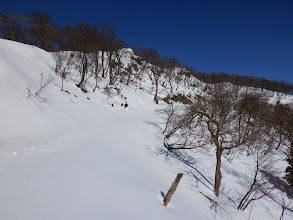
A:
(239, 128)
(37, 29)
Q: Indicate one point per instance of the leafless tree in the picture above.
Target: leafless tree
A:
(44, 83)
(12, 27)
(116, 67)
(282, 123)
(64, 61)
(156, 68)
(286, 204)
(138, 68)
(172, 69)
(224, 117)
(82, 40)
(95, 56)
(260, 185)
(111, 45)
(42, 31)
(106, 31)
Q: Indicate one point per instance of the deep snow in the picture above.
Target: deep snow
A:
(77, 157)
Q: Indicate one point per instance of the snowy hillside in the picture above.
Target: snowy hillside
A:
(100, 155)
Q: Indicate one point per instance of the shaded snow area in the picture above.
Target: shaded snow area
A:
(74, 155)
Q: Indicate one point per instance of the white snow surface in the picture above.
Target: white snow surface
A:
(76, 157)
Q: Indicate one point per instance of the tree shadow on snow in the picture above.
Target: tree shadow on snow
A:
(190, 162)
(279, 184)
(154, 125)
(191, 169)
(162, 194)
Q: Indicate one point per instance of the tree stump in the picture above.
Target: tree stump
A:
(172, 189)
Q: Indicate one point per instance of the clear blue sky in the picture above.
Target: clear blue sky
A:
(245, 37)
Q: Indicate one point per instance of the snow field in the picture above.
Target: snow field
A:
(77, 157)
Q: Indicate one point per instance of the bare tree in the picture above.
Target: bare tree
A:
(42, 31)
(12, 27)
(111, 45)
(116, 67)
(282, 122)
(96, 57)
(106, 32)
(224, 118)
(82, 40)
(96, 67)
(138, 68)
(286, 205)
(44, 83)
(64, 61)
(156, 68)
(172, 72)
(260, 185)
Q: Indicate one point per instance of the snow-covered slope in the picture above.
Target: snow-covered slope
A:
(84, 156)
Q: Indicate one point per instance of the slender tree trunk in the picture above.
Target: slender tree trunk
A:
(279, 143)
(84, 71)
(218, 173)
(171, 85)
(103, 68)
(82, 77)
(156, 93)
(96, 86)
(241, 205)
(96, 71)
(244, 201)
(111, 70)
(62, 83)
(128, 79)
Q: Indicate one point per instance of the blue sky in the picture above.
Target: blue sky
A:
(242, 37)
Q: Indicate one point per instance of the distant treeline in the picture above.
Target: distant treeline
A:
(278, 86)
(37, 29)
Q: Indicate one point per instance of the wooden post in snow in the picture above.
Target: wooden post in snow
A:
(172, 189)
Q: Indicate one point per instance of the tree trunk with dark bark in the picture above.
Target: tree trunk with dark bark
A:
(218, 173)
(84, 72)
